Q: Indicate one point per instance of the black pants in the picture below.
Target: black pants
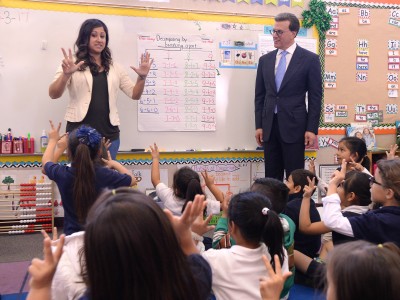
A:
(280, 156)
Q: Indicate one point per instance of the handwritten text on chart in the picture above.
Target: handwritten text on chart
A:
(180, 89)
(9, 17)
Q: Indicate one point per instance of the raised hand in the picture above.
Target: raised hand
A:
(145, 65)
(225, 204)
(154, 151)
(200, 225)
(42, 271)
(272, 285)
(392, 152)
(337, 178)
(208, 178)
(182, 225)
(68, 64)
(309, 189)
(54, 133)
(311, 166)
(355, 165)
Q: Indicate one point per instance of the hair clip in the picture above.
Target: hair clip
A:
(113, 192)
(265, 211)
(380, 246)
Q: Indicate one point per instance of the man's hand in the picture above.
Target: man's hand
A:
(259, 136)
(309, 138)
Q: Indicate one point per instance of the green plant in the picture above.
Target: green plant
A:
(318, 16)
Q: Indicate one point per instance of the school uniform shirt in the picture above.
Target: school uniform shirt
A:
(236, 271)
(80, 86)
(350, 211)
(67, 283)
(170, 201)
(64, 178)
(307, 244)
(376, 226)
(201, 274)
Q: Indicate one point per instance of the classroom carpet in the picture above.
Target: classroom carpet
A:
(12, 277)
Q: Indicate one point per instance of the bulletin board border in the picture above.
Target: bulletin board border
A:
(144, 158)
(369, 4)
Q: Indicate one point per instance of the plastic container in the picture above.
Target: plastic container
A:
(43, 141)
(29, 144)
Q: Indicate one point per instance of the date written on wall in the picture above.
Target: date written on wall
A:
(9, 17)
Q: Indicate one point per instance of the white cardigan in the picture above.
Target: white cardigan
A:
(80, 86)
(67, 282)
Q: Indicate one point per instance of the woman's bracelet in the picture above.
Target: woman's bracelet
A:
(142, 77)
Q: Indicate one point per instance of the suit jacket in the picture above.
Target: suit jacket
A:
(302, 75)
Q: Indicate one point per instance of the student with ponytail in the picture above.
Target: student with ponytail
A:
(258, 231)
(80, 184)
(186, 184)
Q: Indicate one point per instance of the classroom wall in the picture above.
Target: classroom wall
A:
(31, 55)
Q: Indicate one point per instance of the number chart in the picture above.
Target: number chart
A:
(179, 93)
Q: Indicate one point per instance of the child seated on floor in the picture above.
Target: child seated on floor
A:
(355, 270)
(186, 184)
(258, 231)
(355, 196)
(307, 244)
(278, 193)
(132, 250)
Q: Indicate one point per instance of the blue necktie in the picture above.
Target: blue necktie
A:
(280, 71)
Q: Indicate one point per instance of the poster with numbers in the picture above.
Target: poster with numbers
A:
(179, 93)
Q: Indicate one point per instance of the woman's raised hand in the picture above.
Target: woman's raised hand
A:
(68, 64)
(145, 65)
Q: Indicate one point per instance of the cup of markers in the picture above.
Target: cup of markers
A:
(16, 145)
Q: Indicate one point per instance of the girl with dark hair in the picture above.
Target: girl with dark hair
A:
(80, 184)
(354, 151)
(133, 250)
(258, 231)
(93, 70)
(377, 267)
(355, 197)
(186, 184)
(376, 226)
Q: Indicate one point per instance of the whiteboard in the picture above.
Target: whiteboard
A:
(30, 54)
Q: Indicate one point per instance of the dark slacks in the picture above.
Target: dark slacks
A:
(280, 156)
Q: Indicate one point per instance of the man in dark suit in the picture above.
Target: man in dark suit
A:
(284, 125)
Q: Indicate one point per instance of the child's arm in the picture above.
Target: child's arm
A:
(182, 225)
(155, 166)
(42, 271)
(209, 180)
(62, 144)
(305, 225)
(113, 164)
(221, 229)
(332, 216)
(48, 155)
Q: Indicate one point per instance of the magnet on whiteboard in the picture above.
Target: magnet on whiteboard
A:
(44, 44)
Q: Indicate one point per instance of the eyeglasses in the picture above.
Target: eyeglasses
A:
(277, 32)
(372, 181)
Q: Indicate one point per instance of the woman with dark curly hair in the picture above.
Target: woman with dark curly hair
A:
(93, 80)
